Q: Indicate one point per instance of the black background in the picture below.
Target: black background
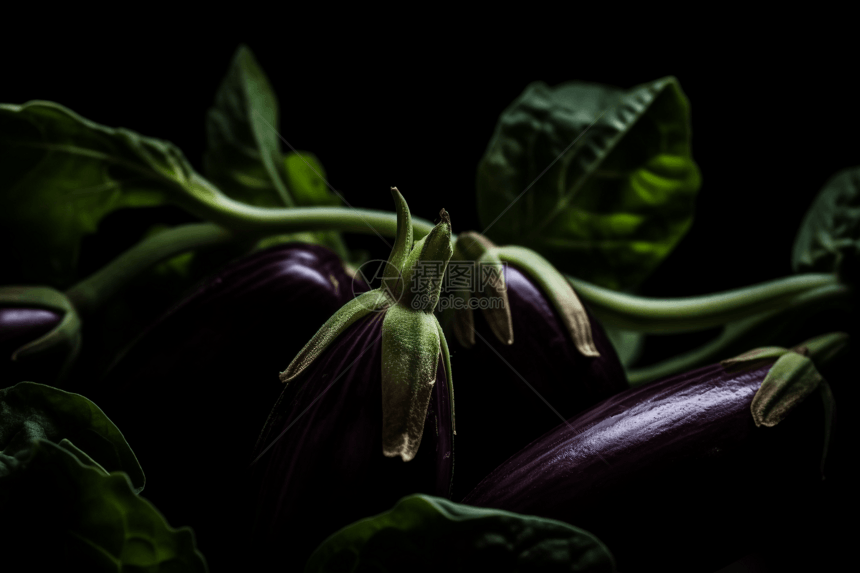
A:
(413, 104)
(772, 118)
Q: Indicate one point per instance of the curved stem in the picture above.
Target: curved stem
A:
(90, 293)
(750, 332)
(210, 204)
(675, 315)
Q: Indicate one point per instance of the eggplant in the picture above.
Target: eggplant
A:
(326, 468)
(688, 473)
(192, 393)
(19, 326)
(40, 335)
(366, 417)
(510, 394)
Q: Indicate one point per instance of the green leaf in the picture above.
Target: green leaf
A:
(77, 514)
(430, 534)
(829, 237)
(606, 202)
(307, 180)
(30, 411)
(60, 174)
(243, 154)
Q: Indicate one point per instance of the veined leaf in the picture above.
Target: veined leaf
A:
(68, 511)
(829, 237)
(60, 174)
(30, 411)
(243, 154)
(426, 533)
(598, 180)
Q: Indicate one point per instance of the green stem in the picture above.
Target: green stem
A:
(208, 203)
(90, 293)
(676, 315)
(612, 308)
(739, 336)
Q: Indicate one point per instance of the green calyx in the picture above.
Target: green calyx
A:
(478, 255)
(792, 378)
(412, 339)
(488, 262)
(63, 342)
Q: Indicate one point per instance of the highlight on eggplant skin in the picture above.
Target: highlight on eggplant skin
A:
(500, 389)
(670, 474)
(326, 468)
(193, 392)
(19, 326)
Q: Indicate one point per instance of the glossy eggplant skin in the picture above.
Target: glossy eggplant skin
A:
(326, 468)
(19, 326)
(672, 476)
(192, 394)
(505, 394)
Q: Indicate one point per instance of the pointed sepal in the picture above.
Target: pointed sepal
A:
(463, 322)
(489, 274)
(392, 278)
(753, 358)
(790, 380)
(558, 291)
(425, 267)
(364, 304)
(410, 356)
(822, 349)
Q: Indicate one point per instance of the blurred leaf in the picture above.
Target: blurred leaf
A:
(30, 411)
(608, 176)
(60, 174)
(426, 533)
(244, 159)
(243, 154)
(308, 180)
(69, 512)
(829, 237)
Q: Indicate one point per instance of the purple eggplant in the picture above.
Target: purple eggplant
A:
(192, 393)
(40, 335)
(510, 394)
(18, 326)
(683, 474)
(326, 468)
(366, 417)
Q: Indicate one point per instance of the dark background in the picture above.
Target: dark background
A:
(774, 110)
(771, 120)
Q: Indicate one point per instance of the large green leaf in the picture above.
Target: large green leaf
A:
(606, 202)
(243, 154)
(432, 534)
(68, 511)
(60, 174)
(244, 157)
(30, 411)
(829, 237)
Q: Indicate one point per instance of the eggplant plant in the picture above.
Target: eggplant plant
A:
(596, 180)
(687, 473)
(367, 414)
